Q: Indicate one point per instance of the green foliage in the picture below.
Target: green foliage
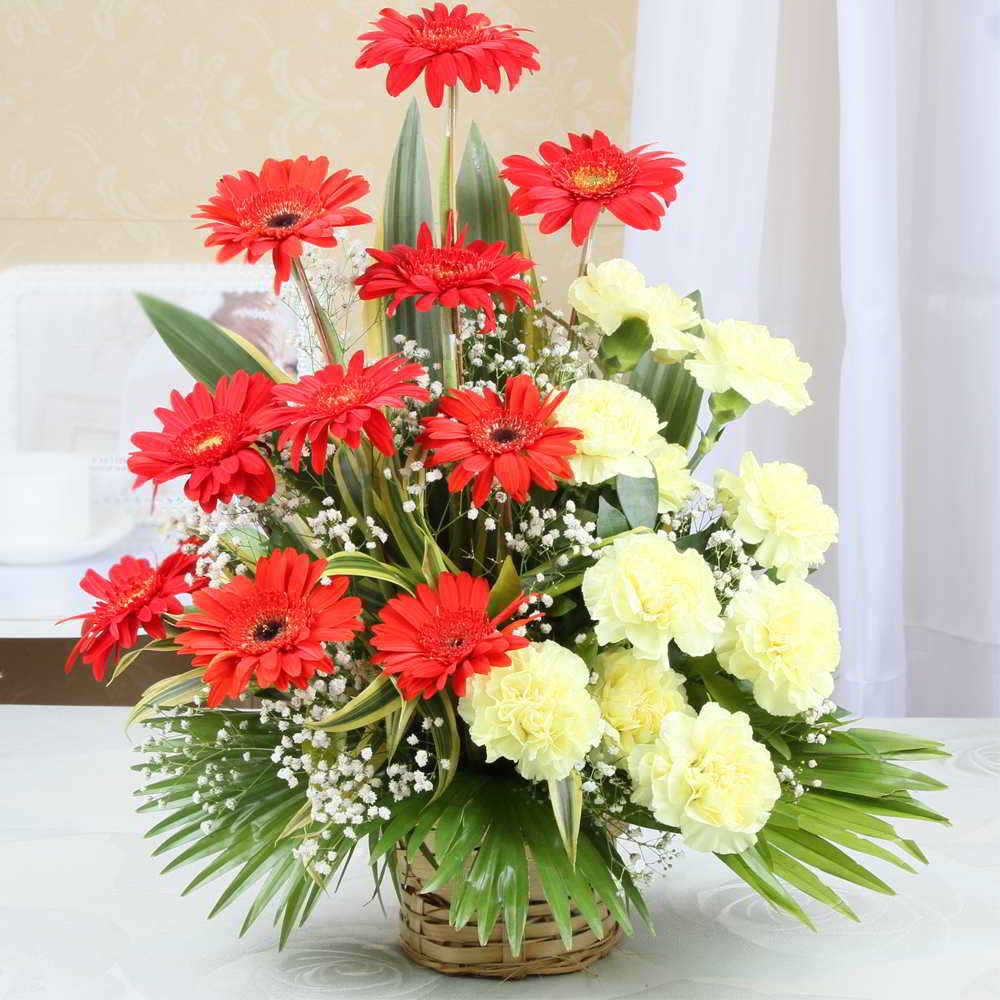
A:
(408, 203)
(208, 351)
(482, 210)
(639, 499)
(674, 393)
(622, 350)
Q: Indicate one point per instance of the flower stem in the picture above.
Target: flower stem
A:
(451, 221)
(707, 442)
(323, 328)
(585, 255)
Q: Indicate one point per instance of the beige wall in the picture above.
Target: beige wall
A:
(117, 116)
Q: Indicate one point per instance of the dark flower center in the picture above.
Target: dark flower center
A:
(266, 631)
(595, 173)
(270, 620)
(283, 220)
(499, 431)
(275, 211)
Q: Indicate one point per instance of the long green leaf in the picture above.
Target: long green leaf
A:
(374, 703)
(180, 689)
(482, 199)
(359, 564)
(408, 203)
(566, 797)
(208, 351)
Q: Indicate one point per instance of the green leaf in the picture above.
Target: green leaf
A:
(750, 867)
(818, 853)
(482, 209)
(610, 520)
(408, 203)
(622, 350)
(639, 499)
(374, 703)
(398, 725)
(505, 589)
(180, 689)
(365, 566)
(566, 796)
(208, 351)
(512, 878)
(798, 875)
(156, 646)
(673, 392)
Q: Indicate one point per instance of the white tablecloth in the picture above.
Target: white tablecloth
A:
(85, 914)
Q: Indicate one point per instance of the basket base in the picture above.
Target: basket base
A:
(427, 938)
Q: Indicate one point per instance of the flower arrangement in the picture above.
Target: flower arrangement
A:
(454, 590)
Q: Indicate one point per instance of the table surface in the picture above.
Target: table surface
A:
(85, 914)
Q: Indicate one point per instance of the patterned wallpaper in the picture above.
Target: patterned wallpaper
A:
(126, 111)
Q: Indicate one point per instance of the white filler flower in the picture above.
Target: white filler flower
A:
(709, 777)
(620, 428)
(646, 591)
(537, 712)
(774, 507)
(784, 639)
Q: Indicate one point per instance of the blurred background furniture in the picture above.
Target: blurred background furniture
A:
(83, 370)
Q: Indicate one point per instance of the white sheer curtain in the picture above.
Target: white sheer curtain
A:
(842, 188)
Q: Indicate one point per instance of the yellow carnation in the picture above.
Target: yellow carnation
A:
(783, 638)
(636, 695)
(620, 428)
(674, 481)
(745, 357)
(774, 507)
(615, 291)
(707, 776)
(537, 712)
(646, 591)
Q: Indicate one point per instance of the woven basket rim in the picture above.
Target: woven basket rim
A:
(427, 937)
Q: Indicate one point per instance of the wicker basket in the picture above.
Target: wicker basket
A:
(428, 939)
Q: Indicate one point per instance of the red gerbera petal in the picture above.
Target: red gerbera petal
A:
(446, 46)
(134, 595)
(444, 634)
(342, 403)
(451, 275)
(269, 628)
(513, 439)
(274, 211)
(576, 184)
(207, 436)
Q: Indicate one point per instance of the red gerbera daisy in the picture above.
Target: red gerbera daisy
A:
(447, 46)
(452, 275)
(444, 633)
(270, 627)
(288, 203)
(593, 174)
(134, 595)
(513, 439)
(343, 404)
(207, 436)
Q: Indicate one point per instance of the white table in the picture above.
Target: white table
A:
(84, 914)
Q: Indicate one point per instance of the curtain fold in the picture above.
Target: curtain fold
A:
(841, 187)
